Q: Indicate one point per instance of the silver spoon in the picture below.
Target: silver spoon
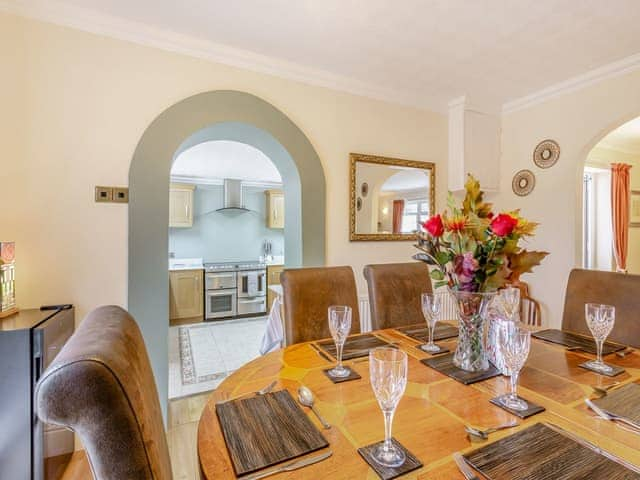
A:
(484, 434)
(306, 398)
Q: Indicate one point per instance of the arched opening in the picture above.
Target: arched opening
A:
(236, 116)
(619, 145)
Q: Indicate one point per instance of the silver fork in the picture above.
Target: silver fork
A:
(612, 417)
(262, 391)
(463, 467)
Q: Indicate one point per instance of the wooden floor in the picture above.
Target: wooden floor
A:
(184, 414)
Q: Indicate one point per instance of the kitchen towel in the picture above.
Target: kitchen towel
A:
(274, 334)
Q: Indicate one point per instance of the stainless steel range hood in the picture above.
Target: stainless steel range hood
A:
(232, 196)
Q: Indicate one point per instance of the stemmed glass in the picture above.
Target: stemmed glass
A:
(600, 320)
(388, 374)
(514, 343)
(508, 301)
(431, 308)
(340, 326)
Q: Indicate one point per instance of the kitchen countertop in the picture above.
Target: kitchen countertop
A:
(177, 264)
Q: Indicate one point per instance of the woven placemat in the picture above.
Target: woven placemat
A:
(581, 342)
(623, 402)
(387, 473)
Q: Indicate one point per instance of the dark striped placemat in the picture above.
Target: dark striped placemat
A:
(546, 452)
(623, 402)
(444, 364)
(421, 333)
(570, 339)
(266, 429)
(355, 346)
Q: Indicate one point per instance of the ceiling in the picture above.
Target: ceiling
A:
(625, 138)
(410, 179)
(224, 159)
(423, 52)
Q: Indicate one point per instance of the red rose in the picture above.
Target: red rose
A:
(503, 225)
(490, 215)
(434, 226)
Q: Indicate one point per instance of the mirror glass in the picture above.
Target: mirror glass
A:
(390, 197)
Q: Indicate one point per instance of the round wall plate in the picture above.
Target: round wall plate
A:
(546, 153)
(523, 183)
(359, 204)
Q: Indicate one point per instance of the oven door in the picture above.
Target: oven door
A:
(252, 283)
(252, 305)
(220, 281)
(220, 303)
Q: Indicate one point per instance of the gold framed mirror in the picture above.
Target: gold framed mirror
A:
(400, 195)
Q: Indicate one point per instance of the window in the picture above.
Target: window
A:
(416, 212)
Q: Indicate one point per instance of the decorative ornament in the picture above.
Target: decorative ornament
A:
(359, 204)
(365, 189)
(546, 153)
(523, 183)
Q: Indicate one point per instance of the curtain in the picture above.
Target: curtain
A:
(620, 213)
(398, 210)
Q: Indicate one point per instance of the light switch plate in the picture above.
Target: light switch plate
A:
(120, 195)
(104, 194)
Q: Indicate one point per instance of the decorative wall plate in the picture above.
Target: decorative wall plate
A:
(364, 189)
(523, 183)
(546, 153)
(359, 204)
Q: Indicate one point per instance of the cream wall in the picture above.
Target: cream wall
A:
(74, 107)
(577, 120)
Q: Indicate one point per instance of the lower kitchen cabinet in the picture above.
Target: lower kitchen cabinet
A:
(186, 294)
(273, 278)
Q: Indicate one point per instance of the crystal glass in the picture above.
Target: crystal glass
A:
(600, 320)
(431, 308)
(507, 302)
(340, 326)
(514, 343)
(388, 375)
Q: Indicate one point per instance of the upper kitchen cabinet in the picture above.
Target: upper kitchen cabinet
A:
(275, 208)
(181, 205)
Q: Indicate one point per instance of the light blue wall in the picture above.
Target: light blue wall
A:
(225, 236)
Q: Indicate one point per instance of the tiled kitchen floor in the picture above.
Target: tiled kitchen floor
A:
(217, 349)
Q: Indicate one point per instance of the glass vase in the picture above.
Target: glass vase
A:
(472, 309)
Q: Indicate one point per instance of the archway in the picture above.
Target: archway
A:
(206, 115)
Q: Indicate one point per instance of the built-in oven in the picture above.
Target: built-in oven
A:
(220, 295)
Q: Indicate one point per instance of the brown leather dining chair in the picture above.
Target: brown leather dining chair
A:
(101, 386)
(308, 293)
(621, 290)
(395, 291)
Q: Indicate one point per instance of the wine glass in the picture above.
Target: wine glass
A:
(508, 302)
(600, 320)
(340, 326)
(388, 375)
(514, 343)
(431, 308)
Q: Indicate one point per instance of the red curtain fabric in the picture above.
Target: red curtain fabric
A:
(620, 200)
(398, 210)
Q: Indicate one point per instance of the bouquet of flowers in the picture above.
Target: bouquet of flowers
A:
(471, 249)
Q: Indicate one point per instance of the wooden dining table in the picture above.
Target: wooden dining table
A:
(431, 416)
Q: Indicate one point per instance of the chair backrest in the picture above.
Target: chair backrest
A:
(394, 293)
(530, 312)
(621, 290)
(308, 293)
(101, 386)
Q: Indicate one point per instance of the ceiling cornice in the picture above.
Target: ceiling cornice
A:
(606, 145)
(615, 69)
(56, 12)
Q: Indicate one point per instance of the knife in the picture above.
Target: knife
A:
(288, 467)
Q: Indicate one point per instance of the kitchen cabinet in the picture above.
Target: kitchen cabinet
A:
(186, 294)
(273, 278)
(181, 205)
(275, 208)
